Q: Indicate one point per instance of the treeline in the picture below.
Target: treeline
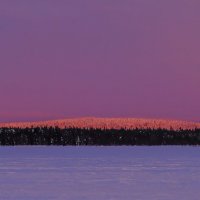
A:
(76, 136)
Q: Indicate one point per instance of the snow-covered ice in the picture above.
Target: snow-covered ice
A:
(100, 173)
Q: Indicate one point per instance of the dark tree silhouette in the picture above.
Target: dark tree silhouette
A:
(77, 136)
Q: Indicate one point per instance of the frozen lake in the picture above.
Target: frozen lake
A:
(100, 173)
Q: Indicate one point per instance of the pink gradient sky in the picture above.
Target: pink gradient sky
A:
(116, 58)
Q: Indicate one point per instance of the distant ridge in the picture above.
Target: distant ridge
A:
(108, 123)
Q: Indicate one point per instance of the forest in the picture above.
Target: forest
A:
(77, 136)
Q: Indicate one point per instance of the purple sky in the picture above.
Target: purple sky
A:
(116, 58)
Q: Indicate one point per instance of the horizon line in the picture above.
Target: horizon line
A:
(95, 117)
